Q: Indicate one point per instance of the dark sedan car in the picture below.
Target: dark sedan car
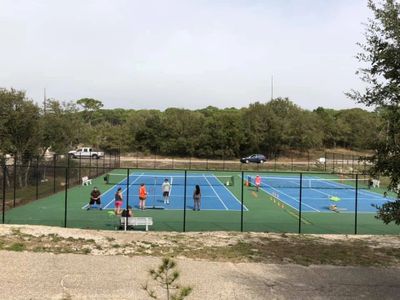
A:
(255, 158)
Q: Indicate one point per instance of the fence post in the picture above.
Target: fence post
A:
(308, 160)
(127, 199)
(97, 167)
(37, 178)
(66, 196)
(241, 200)
(4, 192)
(356, 206)
(325, 162)
(342, 162)
(184, 204)
(90, 164)
(79, 169)
(15, 180)
(291, 158)
(54, 173)
(300, 199)
(333, 162)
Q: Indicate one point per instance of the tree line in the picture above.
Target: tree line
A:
(27, 129)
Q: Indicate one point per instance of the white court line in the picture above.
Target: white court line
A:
(130, 183)
(280, 200)
(244, 206)
(280, 192)
(360, 190)
(226, 208)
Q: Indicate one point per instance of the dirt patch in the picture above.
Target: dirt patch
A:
(212, 246)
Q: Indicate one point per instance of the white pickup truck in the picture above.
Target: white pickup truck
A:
(85, 152)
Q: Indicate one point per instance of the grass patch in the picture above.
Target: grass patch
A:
(16, 247)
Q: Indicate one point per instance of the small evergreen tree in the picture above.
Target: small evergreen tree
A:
(166, 276)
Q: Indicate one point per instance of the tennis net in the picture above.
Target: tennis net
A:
(137, 179)
(311, 183)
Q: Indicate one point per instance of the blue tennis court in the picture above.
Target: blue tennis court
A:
(317, 193)
(214, 190)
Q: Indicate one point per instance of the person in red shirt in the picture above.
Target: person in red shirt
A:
(142, 196)
(258, 182)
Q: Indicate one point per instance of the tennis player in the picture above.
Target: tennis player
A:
(95, 198)
(142, 196)
(118, 201)
(166, 188)
(258, 182)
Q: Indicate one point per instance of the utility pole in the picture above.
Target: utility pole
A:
(44, 101)
(272, 87)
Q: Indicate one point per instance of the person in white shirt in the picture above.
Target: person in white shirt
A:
(166, 189)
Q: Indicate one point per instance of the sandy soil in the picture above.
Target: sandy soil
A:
(113, 269)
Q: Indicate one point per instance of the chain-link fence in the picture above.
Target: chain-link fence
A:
(317, 161)
(251, 200)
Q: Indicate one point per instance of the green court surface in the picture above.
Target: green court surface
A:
(265, 213)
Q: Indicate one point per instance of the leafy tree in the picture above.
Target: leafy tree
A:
(60, 126)
(20, 130)
(381, 55)
(90, 108)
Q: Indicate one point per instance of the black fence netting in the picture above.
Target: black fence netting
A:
(61, 194)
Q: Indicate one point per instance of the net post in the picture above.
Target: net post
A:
(15, 180)
(300, 200)
(356, 206)
(4, 192)
(37, 179)
(241, 206)
(184, 203)
(66, 196)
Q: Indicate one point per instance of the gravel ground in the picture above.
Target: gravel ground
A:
(106, 274)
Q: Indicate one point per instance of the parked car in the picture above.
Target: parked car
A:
(85, 152)
(254, 158)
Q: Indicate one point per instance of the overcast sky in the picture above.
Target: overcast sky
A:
(188, 54)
